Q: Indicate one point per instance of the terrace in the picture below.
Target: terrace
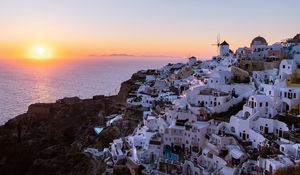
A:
(213, 92)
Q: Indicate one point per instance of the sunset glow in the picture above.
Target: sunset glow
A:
(165, 87)
(40, 52)
(170, 28)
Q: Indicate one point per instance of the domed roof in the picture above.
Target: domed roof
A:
(259, 41)
(296, 38)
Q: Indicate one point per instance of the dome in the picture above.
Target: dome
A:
(296, 38)
(259, 41)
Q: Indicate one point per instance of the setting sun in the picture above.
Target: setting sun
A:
(40, 52)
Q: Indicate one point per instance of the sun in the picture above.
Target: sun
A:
(40, 52)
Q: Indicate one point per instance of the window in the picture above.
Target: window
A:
(267, 104)
(269, 92)
(260, 104)
(283, 66)
(294, 95)
(232, 129)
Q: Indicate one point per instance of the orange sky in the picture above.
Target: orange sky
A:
(77, 29)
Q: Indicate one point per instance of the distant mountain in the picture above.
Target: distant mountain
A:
(126, 55)
(119, 55)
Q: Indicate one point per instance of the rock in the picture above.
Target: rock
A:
(39, 109)
(130, 85)
(50, 138)
(69, 100)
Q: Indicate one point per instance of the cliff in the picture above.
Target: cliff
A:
(50, 138)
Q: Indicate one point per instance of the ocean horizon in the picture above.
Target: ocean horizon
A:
(22, 84)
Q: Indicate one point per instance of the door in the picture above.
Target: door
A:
(266, 130)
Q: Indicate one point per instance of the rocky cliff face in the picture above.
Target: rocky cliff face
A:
(50, 138)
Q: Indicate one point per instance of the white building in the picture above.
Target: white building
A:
(291, 149)
(254, 121)
(286, 67)
(289, 96)
(218, 78)
(224, 49)
(192, 61)
(184, 137)
(270, 165)
(156, 124)
(259, 48)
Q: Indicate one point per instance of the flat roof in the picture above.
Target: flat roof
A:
(200, 124)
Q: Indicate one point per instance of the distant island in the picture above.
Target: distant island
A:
(119, 55)
(127, 55)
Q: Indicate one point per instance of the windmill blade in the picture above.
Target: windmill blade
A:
(218, 39)
(217, 43)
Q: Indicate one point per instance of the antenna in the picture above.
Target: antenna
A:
(217, 43)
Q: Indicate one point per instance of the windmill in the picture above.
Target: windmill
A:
(217, 43)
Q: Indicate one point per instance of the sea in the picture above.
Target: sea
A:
(24, 82)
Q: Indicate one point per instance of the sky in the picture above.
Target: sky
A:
(179, 28)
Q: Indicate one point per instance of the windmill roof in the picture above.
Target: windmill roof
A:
(224, 43)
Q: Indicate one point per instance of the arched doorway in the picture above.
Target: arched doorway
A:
(247, 114)
(285, 107)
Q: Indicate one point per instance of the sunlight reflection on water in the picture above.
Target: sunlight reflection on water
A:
(23, 84)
